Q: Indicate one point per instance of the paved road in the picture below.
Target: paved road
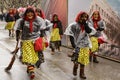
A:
(56, 67)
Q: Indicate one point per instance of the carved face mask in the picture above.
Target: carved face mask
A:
(83, 18)
(30, 15)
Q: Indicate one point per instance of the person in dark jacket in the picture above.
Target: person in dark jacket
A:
(10, 19)
(56, 34)
(16, 14)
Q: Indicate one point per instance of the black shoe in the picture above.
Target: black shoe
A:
(95, 61)
(83, 76)
(38, 63)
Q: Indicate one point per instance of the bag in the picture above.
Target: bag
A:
(38, 45)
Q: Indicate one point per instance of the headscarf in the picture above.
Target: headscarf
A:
(95, 22)
(78, 17)
(29, 20)
(11, 11)
(41, 13)
(55, 22)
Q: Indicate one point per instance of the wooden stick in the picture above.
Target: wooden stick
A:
(13, 58)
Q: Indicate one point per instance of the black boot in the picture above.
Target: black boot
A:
(75, 67)
(95, 59)
(41, 59)
(9, 33)
(82, 74)
(38, 63)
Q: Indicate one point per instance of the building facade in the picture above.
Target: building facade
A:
(109, 16)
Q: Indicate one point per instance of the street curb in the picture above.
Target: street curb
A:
(108, 58)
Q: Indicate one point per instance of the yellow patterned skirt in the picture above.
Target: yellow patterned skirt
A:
(55, 36)
(29, 55)
(83, 57)
(94, 41)
(10, 25)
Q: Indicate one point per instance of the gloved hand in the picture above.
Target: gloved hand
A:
(100, 29)
(75, 54)
(84, 22)
(87, 28)
(47, 29)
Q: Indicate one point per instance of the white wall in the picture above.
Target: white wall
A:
(75, 6)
